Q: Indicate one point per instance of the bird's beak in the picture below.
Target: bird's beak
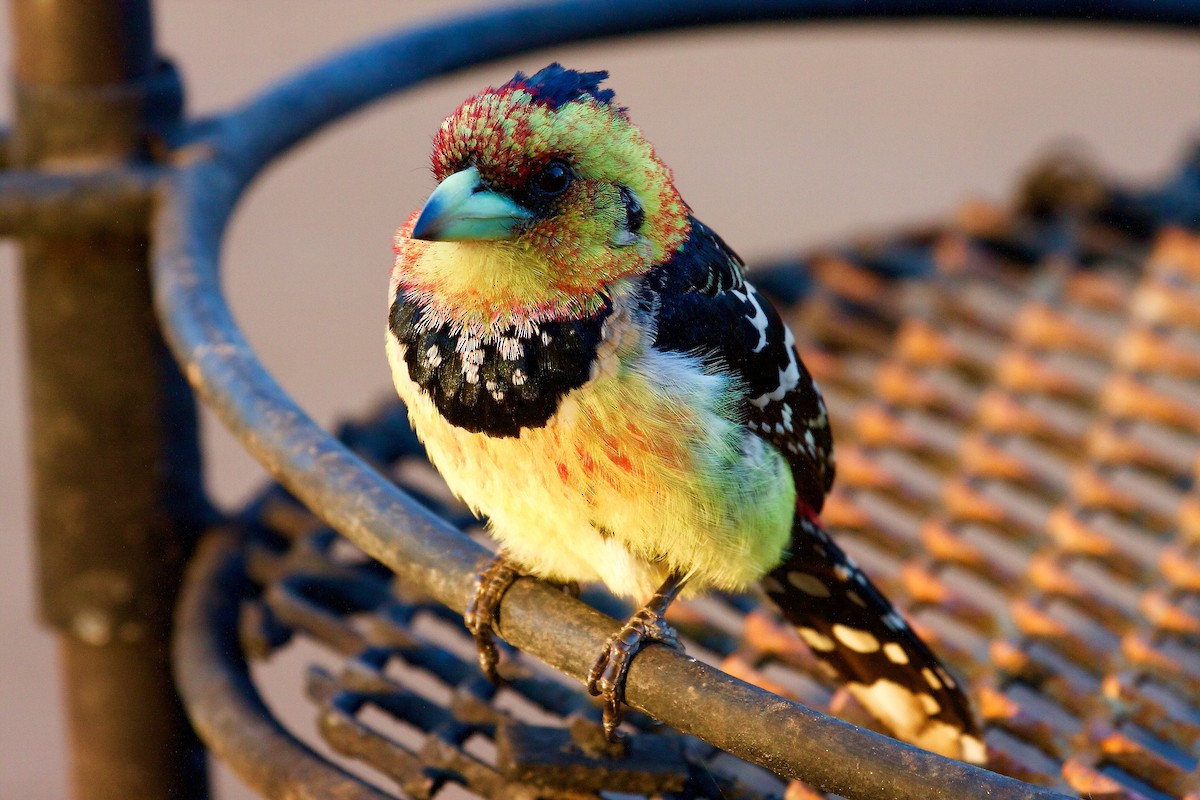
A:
(461, 209)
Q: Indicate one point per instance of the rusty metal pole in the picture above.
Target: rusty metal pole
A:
(118, 496)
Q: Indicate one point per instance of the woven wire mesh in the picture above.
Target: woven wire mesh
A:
(1016, 402)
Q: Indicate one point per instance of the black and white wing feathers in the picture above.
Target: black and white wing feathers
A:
(705, 306)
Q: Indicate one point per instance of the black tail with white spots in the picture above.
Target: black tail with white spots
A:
(853, 628)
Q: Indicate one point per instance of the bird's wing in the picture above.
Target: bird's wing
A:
(705, 306)
(852, 627)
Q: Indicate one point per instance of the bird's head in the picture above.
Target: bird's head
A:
(547, 195)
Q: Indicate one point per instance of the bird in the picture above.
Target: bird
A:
(590, 370)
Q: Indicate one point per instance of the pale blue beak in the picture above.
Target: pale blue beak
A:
(462, 209)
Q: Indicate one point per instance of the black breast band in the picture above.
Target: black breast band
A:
(496, 383)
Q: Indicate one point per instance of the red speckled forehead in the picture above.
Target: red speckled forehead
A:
(496, 132)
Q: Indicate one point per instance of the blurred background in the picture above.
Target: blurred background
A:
(781, 137)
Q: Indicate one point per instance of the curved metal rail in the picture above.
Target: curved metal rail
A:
(197, 199)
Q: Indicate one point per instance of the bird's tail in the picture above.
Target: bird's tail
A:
(853, 628)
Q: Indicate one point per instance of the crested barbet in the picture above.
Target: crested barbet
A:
(588, 367)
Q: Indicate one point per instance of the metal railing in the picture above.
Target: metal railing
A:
(191, 193)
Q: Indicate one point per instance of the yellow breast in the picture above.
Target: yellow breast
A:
(643, 471)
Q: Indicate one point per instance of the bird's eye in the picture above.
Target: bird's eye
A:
(553, 180)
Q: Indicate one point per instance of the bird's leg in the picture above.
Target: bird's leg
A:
(607, 676)
(490, 586)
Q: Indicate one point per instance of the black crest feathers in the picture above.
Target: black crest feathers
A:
(556, 85)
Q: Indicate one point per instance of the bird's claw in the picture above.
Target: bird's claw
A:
(480, 617)
(606, 679)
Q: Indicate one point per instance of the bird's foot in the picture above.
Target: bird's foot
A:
(480, 619)
(606, 679)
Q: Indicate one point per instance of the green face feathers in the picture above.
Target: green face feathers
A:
(548, 194)
(556, 144)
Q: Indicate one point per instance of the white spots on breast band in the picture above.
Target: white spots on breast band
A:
(470, 348)
(510, 348)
